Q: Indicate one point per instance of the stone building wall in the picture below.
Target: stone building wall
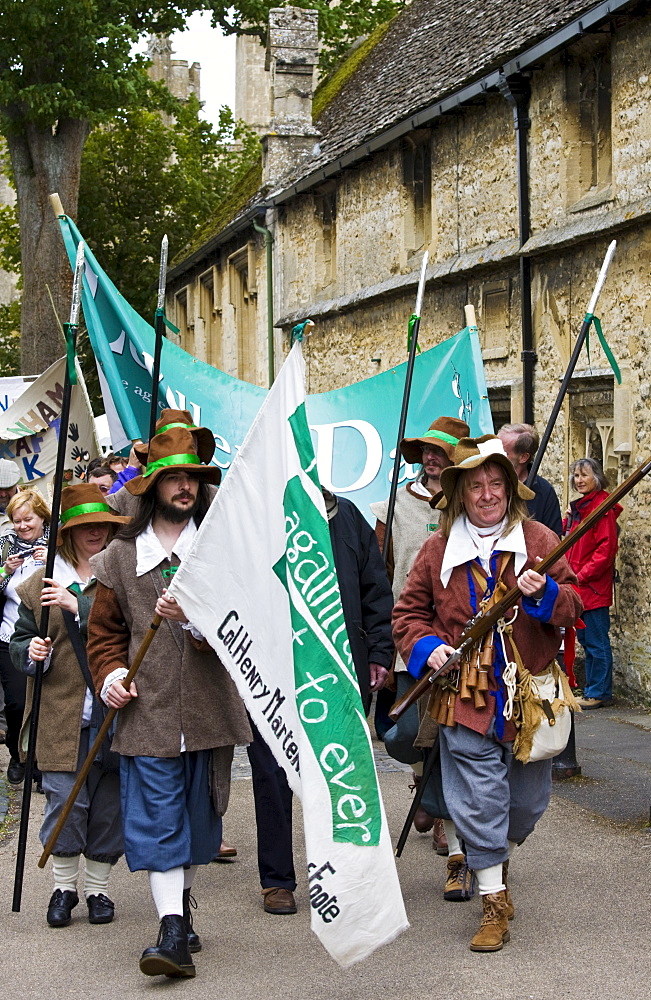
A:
(348, 254)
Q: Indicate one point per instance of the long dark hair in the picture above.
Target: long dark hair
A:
(147, 508)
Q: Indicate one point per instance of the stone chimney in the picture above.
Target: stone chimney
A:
(292, 53)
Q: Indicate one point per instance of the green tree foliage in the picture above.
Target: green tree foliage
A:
(64, 67)
(10, 339)
(167, 180)
(341, 22)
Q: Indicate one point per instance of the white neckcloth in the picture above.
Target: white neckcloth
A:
(467, 542)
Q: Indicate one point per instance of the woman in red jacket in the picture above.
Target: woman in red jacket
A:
(593, 560)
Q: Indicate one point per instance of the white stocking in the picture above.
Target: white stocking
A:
(167, 890)
(65, 871)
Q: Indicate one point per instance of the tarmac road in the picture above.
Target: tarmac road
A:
(581, 886)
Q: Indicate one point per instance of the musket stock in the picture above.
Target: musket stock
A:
(483, 622)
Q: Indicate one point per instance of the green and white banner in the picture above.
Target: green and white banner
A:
(31, 425)
(273, 613)
(353, 429)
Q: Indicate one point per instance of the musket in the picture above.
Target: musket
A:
(99, 739)
(70, 379)
(578, 347)
(414, 327)
(158, 328)
(483, 621)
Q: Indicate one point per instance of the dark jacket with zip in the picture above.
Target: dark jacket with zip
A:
(366, 595)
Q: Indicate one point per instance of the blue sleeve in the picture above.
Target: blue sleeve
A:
(543, 610)
(123, 477)
(420, 654)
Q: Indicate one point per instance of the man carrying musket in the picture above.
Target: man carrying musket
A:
(177, 727)
(485, 544)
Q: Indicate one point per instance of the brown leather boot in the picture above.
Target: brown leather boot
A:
(439, 840)
(460, 883)
(494, 928)
(510, 909)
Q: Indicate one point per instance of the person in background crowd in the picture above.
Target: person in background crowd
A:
(367, 602)
(413, 523)
(521, 444)
(486, 541)
(102, 477)
(177, 728)
(69, 715)
(24, 550)
(10, 476)
(116, 463)
(593, 560)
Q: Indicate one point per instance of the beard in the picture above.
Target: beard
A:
(175, 515)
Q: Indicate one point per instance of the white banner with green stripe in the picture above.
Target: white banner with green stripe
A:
(260, 584)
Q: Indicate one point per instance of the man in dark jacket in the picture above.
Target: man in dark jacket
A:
(521, 444)
(367, 602)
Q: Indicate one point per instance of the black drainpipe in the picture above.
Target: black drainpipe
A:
(517, 91)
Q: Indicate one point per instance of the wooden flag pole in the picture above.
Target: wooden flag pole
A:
(99, 739)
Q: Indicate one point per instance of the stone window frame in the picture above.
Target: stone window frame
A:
(416, 156)
(243, 298)
(184, 316)
(325, 211)
(588, 122)
(494, 349)
(209, 284)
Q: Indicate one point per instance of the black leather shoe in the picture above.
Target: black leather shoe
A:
(170, 956)
(15, 772)
(194, 941)
(101, 909)
(60, 907)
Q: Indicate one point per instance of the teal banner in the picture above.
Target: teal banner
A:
(353, 429)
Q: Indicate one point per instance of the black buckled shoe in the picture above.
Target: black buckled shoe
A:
(60, 907)
(101, 909)
(170, 956)
(194, 941)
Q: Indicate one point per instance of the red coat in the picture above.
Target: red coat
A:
(426, 608)
(593, 557)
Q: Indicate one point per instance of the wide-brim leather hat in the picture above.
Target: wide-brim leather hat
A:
(445, 433)
(85, 504)
(205, 438)
(172, 449)
(469, 454)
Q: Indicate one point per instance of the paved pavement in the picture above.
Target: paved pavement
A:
(581, 884)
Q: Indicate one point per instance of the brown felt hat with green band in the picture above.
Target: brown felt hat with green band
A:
(205, 439)
(470, 454)
(85, 504)
(445, 433)
(172, 449)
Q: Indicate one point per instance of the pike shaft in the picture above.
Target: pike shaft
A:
(405, 406)
(578, 347)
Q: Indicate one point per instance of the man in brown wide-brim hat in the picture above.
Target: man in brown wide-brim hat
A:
(413, 523)
(185, 716)
(486, 545)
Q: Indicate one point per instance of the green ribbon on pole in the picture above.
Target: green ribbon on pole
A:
(410, 333)
(591, 319)
(168, 324)
(69, 332)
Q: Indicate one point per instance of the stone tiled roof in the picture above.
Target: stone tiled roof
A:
(433, 49)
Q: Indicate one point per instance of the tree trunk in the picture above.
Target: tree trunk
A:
(45, 161)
